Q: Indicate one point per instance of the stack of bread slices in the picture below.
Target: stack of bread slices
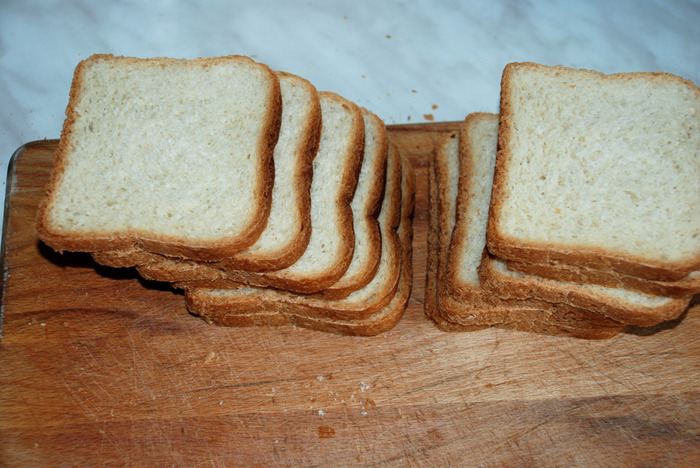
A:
(575, 211)
(267, 201)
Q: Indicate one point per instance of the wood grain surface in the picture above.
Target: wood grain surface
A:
(100, 367)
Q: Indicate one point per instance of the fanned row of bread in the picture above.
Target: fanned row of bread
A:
(267, 201)
(575, 211)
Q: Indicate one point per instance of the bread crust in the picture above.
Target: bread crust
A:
(601, 259)
(475, 309)
(161, 244)
(381, 322)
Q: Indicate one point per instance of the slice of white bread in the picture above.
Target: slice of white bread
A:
(451, 315)
(336, 170)
(461, 176)
(599, 171)
(623, 305)
(366, 207)
(680, 288)
(174, 156)
(233, 308)
(288, 229)
(359, 305)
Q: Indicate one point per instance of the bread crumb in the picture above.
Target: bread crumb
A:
(435, 106)
(414, 91)
(210, 355)
(388, 36)
(428, 117)
(325, 432)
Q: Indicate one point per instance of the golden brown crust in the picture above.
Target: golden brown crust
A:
(507, 248)
(161, 244)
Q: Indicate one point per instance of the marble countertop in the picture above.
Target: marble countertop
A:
(408, 61)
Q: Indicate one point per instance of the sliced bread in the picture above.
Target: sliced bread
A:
(366, 207)
(206, 194)
(598, 171)
(680, 288)
(623, 305)
(362, 303)
(462, 174)
(336, 170)
(352, 315)
(288, 230)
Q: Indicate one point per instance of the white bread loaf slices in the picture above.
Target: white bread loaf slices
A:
(289, 225)
(173, 156)
(366, 207)
(461, 177)
(362, 303)
(259, 307)
(336, 170)
(288, 230)
(598, 171)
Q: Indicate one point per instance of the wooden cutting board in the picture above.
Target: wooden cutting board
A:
(98, 366)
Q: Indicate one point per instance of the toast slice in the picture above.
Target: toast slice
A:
(352, 315)
(461, 176)
(173, 156)
(598, 171)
